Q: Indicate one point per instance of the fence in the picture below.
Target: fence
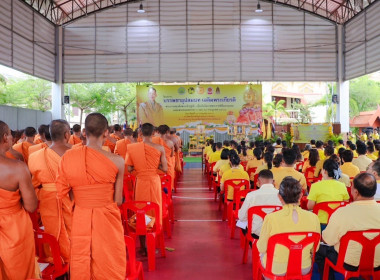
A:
(19, 118)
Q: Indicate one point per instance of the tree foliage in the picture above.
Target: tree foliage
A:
(273, 109)
(364, 95)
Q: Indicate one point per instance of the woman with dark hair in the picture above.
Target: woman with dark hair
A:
(297, 151)
(268, 159)
(329, 189)
(243, 153)
(371, 151)
(340, 154)
(290, 219)
(312, 160)
(306, 151)
(343, 177)
(256, 162)
(223, 160)
(235, 172)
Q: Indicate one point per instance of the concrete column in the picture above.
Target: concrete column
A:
(343, 87)
(58, 86)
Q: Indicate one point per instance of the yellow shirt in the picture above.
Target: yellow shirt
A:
(233, 173)
(362, 162)
(321, 154)
(349, 169)
(327, 190)
(340, 146)
(375, 136)
(319, 166)
(281, 222)
(345, 180)
(305, 154)
(250, 153)
(207, 150)
(355, 153)
(215, 156)
(356, 216)
(254, 163)
(280, 174)
(364, 137)
(372, 156)
(261, 167)
(226, 167)
(219, 164)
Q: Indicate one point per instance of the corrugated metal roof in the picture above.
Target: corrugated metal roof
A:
(65, 11)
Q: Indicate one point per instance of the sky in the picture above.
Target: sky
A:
(9, 73)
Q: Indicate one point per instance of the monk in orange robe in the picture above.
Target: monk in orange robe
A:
(164, 140)
(23, 148)
(13, 154)
(43, 166)
(121, 145)
(117, 134)
(17, 252)
(145, 158)
(76, 137)
(47, 140)
(40, 137)
(95, 178)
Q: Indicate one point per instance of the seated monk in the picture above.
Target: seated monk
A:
(23, 147)
(117, 132)
(47, 141)
(95, 179)
(43, 166)
(17, 253)
(145, 158)
(76, 137)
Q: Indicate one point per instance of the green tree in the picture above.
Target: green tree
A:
(124, 97)
(364, 95)
(31, 93)
(273, 109)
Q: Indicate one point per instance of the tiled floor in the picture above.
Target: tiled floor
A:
(203, 248)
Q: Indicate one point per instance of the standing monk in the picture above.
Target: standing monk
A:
(95, 178)
(165, 141)
(23, 148)
(40, 137)
(17, 253)
(121, 145)
(43, 165)
(110, 142)
(146, 157)
(76, 137)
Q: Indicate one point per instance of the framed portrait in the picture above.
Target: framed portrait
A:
(240, 129)
(231, 130)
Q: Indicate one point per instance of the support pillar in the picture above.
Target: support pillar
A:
(58, 90)
(343, 87)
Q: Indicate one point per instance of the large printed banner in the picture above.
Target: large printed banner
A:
(187, 106)
(303, 133)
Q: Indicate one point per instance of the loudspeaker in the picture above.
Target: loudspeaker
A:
(66, 99)
(335, 99)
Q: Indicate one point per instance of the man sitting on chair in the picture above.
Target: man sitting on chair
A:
(362, 214)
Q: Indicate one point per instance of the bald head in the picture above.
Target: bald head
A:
(30, 131)
(147, 129)
(43, 130)
(163, 129)
(58, 129)
(128, 131)
(4, 130)
(365, 184)
(95, 124)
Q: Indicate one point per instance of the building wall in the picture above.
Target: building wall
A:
(19, 118)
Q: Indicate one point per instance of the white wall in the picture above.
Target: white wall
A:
(19, 118)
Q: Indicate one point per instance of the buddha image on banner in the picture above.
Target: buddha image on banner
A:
(187, 106)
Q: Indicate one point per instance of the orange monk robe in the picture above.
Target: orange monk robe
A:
(170, 159)
(110, 144)
(139, 139)
(43, 166)
(97, 235)
(105, 148)
(37, 147)
(74, 140)
(121, 147)
(114, 136)
(23, 148)
(9, 155)
(37, 139)
(146, 160)
(17, 253)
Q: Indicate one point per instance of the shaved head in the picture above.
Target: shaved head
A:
(58, 128)
(163, 129)
(128, 131)
(44, 130)
(95, 124)
(147, 129)
(76, 128)
(4, 130)
(30, 131)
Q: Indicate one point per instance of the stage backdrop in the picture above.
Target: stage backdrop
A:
(186, 106)
(303, 133)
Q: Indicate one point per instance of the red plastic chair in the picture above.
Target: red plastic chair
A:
(251, 170)
(236, 184)
(235, 212)
(58, 267)
(256, 211)
(329, 207)
(165, 215)
(309, 176)
(255, 179)
(166, 182)
(211, 176)
(134, 268)
(367, 256)
(129, 185)
(294, 269)
(141, 208)
(244, 164)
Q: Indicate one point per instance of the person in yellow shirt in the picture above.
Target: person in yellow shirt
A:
(375, 135)
(362, 161)
(233, 173)
(290, 219)
(289, 159)
(250, 150)
(348, 168)
(278, 146)
(329, 151)
(215, 156)
(340, 145)
(223, 160)
(277, 163)
(312, 143)
(353, 149)
(329, 189)
(371, 151)
(363, 137)
(305, 153)
(362, 214)
(256, 162)
(226, 144)
(311, 161)
(351, 137)
(208, 148)
(319, 146)
(227, 166)
(268, 163)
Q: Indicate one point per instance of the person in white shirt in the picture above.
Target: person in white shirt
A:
(266, 195)
(362, 161)
(374, 169)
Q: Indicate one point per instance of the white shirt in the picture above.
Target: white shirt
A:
(266, 195)
(362, 162)
(377, 194)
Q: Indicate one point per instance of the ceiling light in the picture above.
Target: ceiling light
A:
(258, 9)
(141, 9)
